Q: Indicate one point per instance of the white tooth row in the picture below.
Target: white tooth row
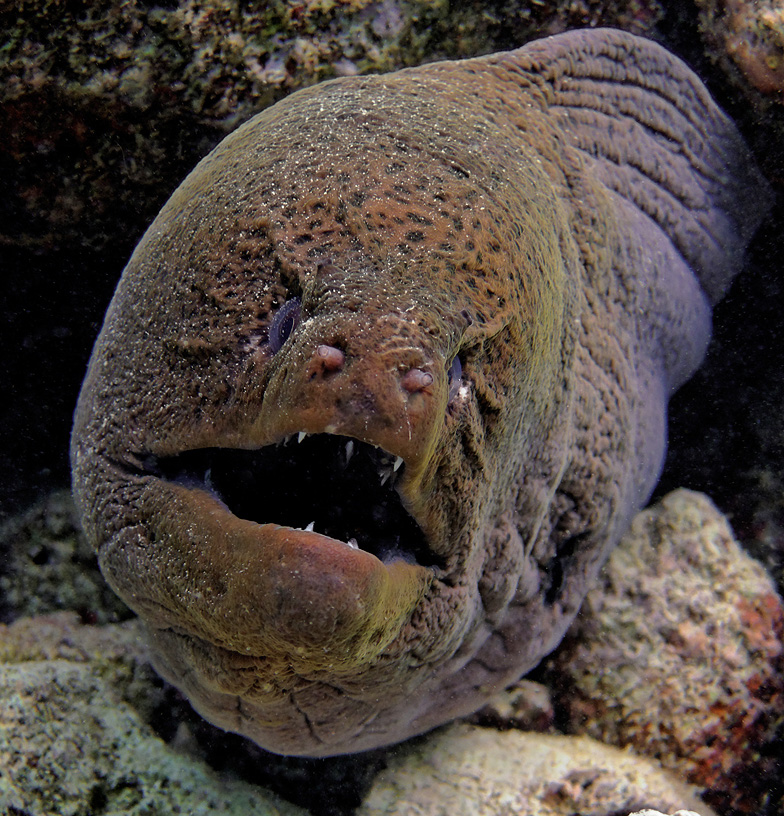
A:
(352, 542)
(286, 439)
(385, 473)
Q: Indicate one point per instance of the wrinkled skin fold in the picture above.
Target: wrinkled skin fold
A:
(386, 379)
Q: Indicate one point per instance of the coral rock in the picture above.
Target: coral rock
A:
(70, 743)
(752, 35)
(464, 770)
(48, 565)
(678, 653)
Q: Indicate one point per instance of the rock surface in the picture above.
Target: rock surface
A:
(752, 38)
(463, 770)
(526, 706)
(658, 813)
(678, 654)
(108, 105)
(48, 565)
(71, 743)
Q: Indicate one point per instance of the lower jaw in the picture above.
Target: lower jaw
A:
(259, 589)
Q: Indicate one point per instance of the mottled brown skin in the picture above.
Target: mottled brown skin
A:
(560, 217)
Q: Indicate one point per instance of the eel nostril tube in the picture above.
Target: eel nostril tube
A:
(415, 379)
(329, 359)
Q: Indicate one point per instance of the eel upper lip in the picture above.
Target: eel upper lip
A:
(333, 485)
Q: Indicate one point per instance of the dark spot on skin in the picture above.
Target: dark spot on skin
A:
(326, 267)
(415, 236)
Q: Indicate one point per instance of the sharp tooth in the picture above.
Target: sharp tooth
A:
(287, 439)
(349, 450)
(309, 528)
(352, 542)
(301, 435)
(398, 463)
(384, 476)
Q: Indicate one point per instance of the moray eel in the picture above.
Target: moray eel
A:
(386, 379)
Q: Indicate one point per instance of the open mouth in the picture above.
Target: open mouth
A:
(332, 485)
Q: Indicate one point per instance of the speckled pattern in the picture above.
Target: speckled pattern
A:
(480, 279)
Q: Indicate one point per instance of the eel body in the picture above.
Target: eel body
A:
(386, 379)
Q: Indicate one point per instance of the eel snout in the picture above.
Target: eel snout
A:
(362, 383)
(301, 538)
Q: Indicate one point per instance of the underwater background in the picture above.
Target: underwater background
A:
(105, 107)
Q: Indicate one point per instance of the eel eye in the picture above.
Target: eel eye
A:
(284, 323)
(454, 377)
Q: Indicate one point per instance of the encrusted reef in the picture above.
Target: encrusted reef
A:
(47, 566)
(679, 654)
(107, 105)
(74, 701)
(749, 38)
(463, 770)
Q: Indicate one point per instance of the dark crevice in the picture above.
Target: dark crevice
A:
(558, 566)
(343, 486)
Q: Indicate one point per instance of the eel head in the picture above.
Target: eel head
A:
(313, 395)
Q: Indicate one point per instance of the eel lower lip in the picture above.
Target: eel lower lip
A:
(330, 485)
